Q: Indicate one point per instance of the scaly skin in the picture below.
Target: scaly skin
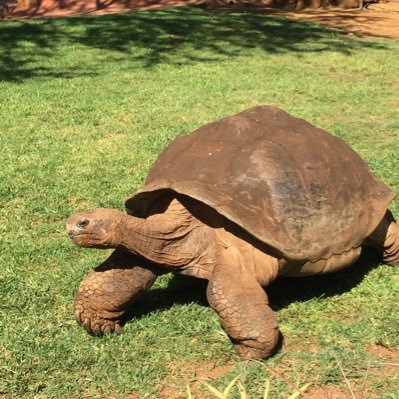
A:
(108, 291)
(386, 239)
(243, 309)
(391, 246)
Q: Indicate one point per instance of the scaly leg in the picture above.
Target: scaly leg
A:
(242, 306)
(108, 291)
(385, 239)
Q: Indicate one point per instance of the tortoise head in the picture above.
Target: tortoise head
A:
(95, 228)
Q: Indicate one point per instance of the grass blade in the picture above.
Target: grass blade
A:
(241, 388)
(365, 380)
(345, 379)
(189, 395)
(267, 389)
(231, 384)
(293, 386)
(302, 389)
(214, 391)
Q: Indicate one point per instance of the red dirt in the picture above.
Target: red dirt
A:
(62, 8)
(389, 358)
(379, 20)
(328, 393)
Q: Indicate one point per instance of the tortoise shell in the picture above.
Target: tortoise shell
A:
(291, 185)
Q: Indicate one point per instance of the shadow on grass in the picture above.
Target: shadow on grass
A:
(39, 48)
(282, 292)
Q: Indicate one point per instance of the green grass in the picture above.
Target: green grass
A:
(86, 105)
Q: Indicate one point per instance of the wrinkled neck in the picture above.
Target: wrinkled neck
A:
(159, 237)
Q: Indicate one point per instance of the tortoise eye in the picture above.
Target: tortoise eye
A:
(83, 223)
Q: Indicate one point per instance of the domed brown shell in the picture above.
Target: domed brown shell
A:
(293, 186)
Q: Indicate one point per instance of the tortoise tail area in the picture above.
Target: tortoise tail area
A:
(390, 255)
(386, 239)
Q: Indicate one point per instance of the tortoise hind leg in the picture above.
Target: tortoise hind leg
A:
(386, 239)
(242, 306)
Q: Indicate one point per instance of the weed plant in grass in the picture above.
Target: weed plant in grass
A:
(86, 106)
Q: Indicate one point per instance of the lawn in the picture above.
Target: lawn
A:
(86, 105)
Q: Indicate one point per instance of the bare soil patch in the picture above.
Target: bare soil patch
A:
(328, 393)
(379, 20)
(389, 358)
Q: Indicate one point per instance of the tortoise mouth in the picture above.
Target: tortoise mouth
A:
(85, 239)
(75, 231)
(72, 233)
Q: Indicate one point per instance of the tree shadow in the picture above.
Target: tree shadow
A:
(181, 36)
(282, 292)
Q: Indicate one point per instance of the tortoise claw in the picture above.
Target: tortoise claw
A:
(96, 330)
(118, 329)
(107, 330)
(86, 325)
(78, 314)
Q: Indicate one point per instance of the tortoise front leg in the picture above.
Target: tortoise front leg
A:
(108, 291)
(242, 306)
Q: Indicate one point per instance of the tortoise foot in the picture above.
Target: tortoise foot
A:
(256, 350)
(108, 292)
(97, 321)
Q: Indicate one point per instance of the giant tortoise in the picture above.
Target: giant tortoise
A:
(237, 202)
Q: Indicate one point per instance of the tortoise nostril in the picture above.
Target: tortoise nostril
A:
(82, 224)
